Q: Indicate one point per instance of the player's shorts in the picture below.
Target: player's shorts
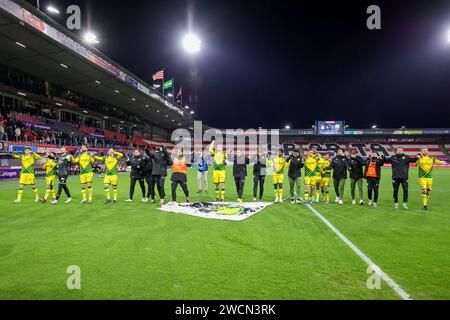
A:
(27, 179)
(310, 181)
(325, 182)
(318, 179)
(50, 181)
(219, 176)
(426, 183)
(277, 178)
(86, 178)
(112, 180)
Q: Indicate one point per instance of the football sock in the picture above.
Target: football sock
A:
(108, 194)
(19, 194)
(89, 192)
(36, 193)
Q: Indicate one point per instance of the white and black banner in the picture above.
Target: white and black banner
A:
(217, 210)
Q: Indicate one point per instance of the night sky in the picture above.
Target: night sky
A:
(270, 63)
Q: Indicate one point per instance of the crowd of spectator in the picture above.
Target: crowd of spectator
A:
(13, 129)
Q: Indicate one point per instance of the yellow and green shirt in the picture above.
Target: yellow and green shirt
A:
(311, 167)
(85, 160)
(111, 163)
(323, 167)
(278, 165)
(425, 165)
(50, 168)
(27, 162)
(219, 159)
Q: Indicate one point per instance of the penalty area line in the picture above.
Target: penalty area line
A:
(402, 293)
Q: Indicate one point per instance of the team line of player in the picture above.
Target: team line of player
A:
(319, 171)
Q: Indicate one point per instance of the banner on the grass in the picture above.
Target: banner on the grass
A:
(217, 210)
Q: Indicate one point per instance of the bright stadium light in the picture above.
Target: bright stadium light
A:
(91, 38)
(374, 126)
(52, 9)
(170, 95)
(287, 127)
(156, 86)
(191, 43)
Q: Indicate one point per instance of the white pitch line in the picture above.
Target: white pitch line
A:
(402, 293)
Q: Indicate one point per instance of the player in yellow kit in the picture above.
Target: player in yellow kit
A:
(27, 177)
(50, 175)
(278, 164)
(219, 173)
(111, 178)
(425, 165)
(85, 160)
(318, 180)
(311, 169)
(324, 165)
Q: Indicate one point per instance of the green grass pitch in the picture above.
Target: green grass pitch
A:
(133, 251)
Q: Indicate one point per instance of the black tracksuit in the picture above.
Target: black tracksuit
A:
(160, 161)
(339, 164)
(239, 173)
(137, 174)
(400, 173)
(62, 170)
(148, 173)
(295, 167)
(259, 175)
(373, 183)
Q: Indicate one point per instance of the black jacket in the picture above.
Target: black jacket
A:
(378, 164)
(400, 165)
(138, 165)
(160, 161)
(295, 167)
(339, 164)
(240, 167)
(62, 168)
(355, 167)
(148, 167)
(259, 166)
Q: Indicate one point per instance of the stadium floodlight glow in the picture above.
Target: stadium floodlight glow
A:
(22, 94)
(156, 86)
(106, 117)
(192, 112)
(90, 38)
(191, 43)
(374, 126)
(287, 127)
(84, 111)
(186, 107)
(21, 45)
(64, 66)
(170, 95)
(52, 9)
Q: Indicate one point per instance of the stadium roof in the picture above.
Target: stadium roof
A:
(33, 43)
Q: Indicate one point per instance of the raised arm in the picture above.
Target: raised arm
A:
(211, 149)
(118, 154)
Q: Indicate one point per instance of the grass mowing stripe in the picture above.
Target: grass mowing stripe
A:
(402, 293)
